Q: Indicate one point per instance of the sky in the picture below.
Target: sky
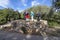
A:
(21, 5)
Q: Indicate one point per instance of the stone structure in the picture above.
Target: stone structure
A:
(34, 27)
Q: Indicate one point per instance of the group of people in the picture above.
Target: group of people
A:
(30, 16)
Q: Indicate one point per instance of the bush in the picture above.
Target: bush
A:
(53, 24)
(3, 21)
(22, 16)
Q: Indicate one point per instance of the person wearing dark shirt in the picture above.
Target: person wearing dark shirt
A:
(38, 15)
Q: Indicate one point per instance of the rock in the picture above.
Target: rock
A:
(44, 21)
(35, 20)
(1, 27)
(34, 27)
(21, 31)
(6, 25)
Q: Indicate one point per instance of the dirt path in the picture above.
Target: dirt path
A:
(18, 36)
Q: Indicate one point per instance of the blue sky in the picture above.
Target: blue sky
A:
(21, 5)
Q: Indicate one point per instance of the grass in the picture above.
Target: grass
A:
(53, 24)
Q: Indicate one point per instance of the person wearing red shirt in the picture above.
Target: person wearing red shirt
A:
(27, 16)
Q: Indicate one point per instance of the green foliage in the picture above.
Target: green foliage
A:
(53, 24)
(56, 3)
(22, 15)
(8, 15)
(2, 21)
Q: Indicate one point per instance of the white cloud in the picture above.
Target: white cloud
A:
(4, 3)
(24, 2)
(20, 10)
(34, 3)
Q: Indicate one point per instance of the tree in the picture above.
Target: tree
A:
(8, 14)
(56, 4)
